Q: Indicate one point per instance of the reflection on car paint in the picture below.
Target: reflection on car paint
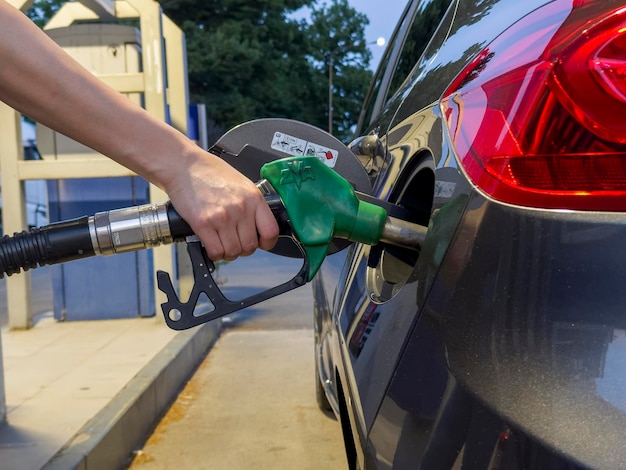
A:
(364, 327)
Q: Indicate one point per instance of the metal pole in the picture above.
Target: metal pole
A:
(330, 93)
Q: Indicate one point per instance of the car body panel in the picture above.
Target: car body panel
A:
(540, 344)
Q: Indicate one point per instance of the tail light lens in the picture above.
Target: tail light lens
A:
(539, 117)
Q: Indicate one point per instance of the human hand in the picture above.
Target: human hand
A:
(223, 207)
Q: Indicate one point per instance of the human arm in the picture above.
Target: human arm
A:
(37, 78)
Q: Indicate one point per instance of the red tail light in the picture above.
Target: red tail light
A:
(539, 118)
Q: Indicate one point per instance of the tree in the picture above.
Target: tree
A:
(251, 60)
(341, 56)
(247, 60)
(42, 10)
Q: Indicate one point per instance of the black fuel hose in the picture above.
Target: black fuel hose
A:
(54, 243)
(108, 232)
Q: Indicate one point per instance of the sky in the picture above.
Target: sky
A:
(383, 16)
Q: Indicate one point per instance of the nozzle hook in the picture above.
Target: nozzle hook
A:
(183, 315)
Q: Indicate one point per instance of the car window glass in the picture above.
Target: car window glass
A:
(402, 54)
(368, 107)
(427, 18)
(382, 74)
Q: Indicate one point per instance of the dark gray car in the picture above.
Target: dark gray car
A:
(501, 125)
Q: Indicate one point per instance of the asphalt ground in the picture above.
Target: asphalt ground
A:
(251, 402)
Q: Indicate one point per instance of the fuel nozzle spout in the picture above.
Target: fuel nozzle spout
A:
(403, 233)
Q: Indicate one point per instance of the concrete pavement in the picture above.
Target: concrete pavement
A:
(84, 394)
(251, 403)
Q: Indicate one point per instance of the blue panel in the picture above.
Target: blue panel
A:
(102, 287)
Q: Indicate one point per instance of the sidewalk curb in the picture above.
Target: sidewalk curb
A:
(107, 440)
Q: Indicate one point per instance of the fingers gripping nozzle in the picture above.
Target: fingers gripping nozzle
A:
(181, 315)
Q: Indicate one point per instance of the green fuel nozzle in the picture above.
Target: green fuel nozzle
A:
(322, 205)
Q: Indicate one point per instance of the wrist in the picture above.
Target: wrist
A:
(179, 169)
(162, 157)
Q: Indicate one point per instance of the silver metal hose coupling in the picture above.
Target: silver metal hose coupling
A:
(130, 229)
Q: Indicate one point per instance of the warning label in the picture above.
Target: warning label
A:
(295, 147)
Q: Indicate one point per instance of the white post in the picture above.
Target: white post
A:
(14, 212)
(153, 54)
(13, 151)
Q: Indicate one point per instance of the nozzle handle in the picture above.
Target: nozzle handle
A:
(321, 205)
(181, 315)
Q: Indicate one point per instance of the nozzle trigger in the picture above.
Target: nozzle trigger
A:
(183, 315)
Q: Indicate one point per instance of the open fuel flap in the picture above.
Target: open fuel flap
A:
(391, 267)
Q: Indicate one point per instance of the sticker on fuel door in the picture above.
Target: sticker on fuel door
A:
(295, 146)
